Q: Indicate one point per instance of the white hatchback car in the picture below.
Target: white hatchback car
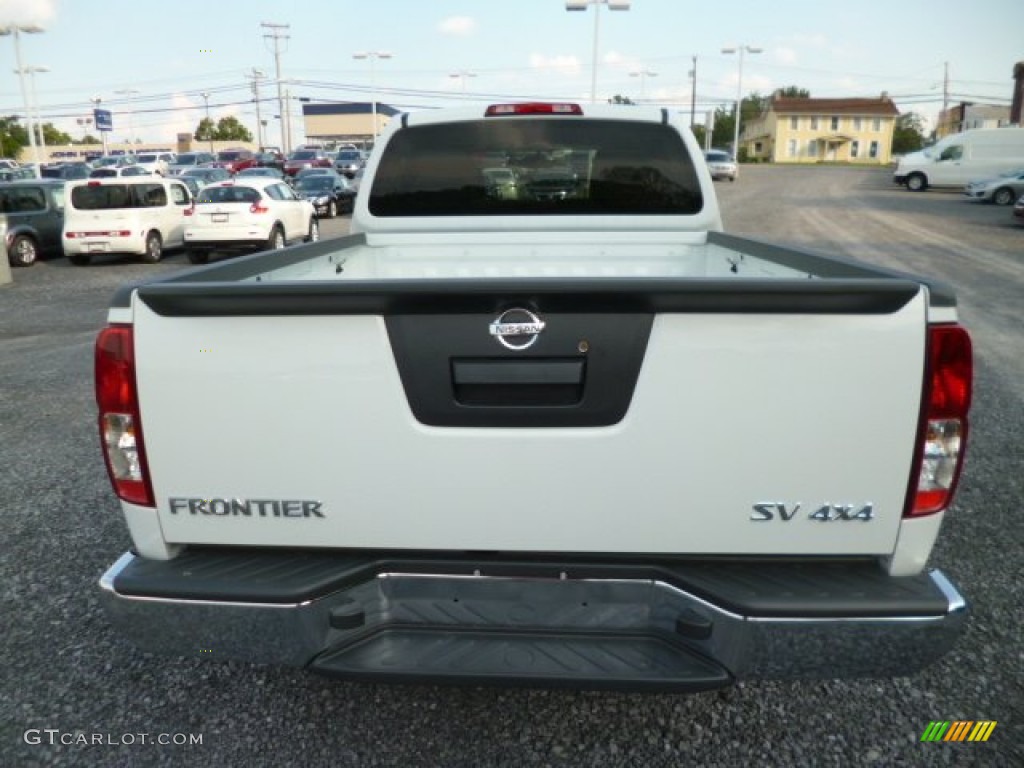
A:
(248, 214)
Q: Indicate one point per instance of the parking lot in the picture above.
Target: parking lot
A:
(66, 672)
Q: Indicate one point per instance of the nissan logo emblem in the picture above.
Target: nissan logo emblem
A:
(517, 328)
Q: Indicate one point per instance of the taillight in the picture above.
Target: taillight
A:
(119, 421)
(190, 210)
(257, 208)
(942, 437)
(533, 108)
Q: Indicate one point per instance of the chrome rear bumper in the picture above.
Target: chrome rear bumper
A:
(634, 627)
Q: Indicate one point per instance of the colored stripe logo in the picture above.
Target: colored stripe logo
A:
(959, 730)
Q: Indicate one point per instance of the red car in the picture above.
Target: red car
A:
(306, 158)
(235, 160)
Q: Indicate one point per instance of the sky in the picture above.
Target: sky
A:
(149, 61)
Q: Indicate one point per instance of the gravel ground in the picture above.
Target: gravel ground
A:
(65, 671)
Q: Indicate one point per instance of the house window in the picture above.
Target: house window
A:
(873, 149)
(758, 147)
(812, 148)
(835, 123)
(876, 124)
(791, 148)
(814, 123)
(854, 149)
(858, 124)
(794, 122)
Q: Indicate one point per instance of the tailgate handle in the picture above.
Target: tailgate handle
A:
(535, 382)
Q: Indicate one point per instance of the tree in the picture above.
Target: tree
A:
(205, 130)
(229, 129)
(794, 92)
(618, 99)
(89, 139)
(226, 129)
(13, 136)
(53, 136)
(908, 135)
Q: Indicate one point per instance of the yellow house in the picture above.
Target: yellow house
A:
(793, 130)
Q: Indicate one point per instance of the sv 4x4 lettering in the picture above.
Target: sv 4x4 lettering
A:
(825, 513)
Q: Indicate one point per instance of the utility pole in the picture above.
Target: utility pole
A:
(256, 76)
(277, 35)
(945, 87)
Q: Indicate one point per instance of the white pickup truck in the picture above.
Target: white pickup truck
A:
(544, 426)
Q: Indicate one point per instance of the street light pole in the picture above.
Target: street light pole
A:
(462, 74)
(643, 74)
(372, 55)
(14, 30)
(31, 71)
(739, 93)
(693, 93)
(581, 5)
(129, 92)
(209, 123)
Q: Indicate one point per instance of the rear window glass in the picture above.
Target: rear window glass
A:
(718, 157)
(229, 155)
(24, 200)
(228, 195)
(534, 167)
(102, 197)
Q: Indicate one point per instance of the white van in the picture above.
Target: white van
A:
(142, 215)
(963, 157)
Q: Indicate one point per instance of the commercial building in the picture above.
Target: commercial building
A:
(348, 122)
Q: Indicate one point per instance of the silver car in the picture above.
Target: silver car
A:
(1003, 189)
(721, 165)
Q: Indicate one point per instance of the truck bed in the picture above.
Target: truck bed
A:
(679, 389)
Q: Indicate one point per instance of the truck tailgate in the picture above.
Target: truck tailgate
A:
(633, 430)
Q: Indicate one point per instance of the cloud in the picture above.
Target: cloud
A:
(786, 56)
(817, 40)
(22, 12)
(457, 26)
(566, 65)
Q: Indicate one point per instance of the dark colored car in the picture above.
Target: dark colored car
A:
(270, 159)
(348, 161)
(16, 174)
(552, 184)
(1018, 210)
(306, 158)
(189, 160)
(35, 219)
(330, 193)
(235, 160)
(192, 183)
(66, 171)
(207, 175)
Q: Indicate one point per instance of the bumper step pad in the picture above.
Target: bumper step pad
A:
(548, 659)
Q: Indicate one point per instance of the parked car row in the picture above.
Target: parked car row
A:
(146, 215)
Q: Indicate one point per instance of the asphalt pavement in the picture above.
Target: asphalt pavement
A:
(72, 693)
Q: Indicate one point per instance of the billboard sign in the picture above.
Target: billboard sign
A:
(103, 120)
